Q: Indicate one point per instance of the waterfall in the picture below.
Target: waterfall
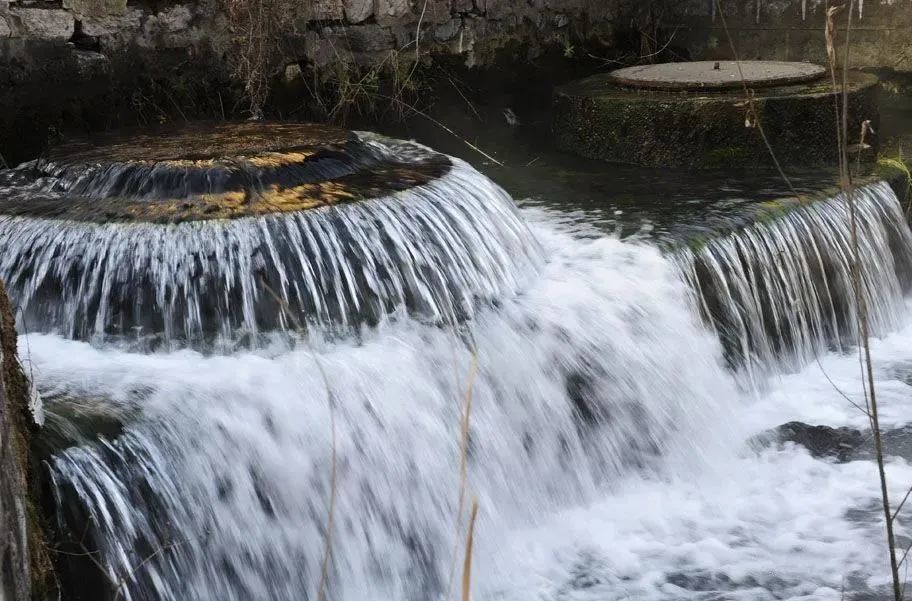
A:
(431, 250)
(593, 370)
(780, 292)
(200, 470)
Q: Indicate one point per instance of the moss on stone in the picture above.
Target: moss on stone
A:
(16, 394)
(897, 173)
(598, 119)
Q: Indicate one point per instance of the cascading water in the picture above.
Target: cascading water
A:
(606, 434)
(430, 249)
(781, 292)
(544, 436)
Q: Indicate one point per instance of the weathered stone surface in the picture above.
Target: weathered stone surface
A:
(120, 27)
(174, 19)
(598, 119)
(292, 72)
(435, 11)
(91, 64)
(717, 75)
(448, 30)
(370, 38)
(357, 11)
(327, 10)
(274, 153)
(392, 9)
(5, 30)
(821, 441)
(95, 8)
(171, 28)
(24, 562)
(49, 24)
(15, 572)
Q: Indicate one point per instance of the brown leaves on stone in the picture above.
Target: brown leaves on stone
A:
(214, 171)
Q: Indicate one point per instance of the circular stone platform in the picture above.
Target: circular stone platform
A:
(681, 125)
(716, 75)
(212, 171)
(185, 235)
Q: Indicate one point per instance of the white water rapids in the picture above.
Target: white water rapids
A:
(607, 441)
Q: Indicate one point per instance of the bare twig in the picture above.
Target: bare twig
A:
(467, 101)
(752, 108)
(142, 564)
(901, 503)
(444, 127)
(860, 300)
(841, 392)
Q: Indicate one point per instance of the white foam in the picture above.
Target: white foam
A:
(232, 455)
(234, 451)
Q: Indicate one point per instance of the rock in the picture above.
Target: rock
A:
(358, 10)
(91, 64)
(392, 9)
(121, 27)
(24, 560)
(174, 19)
(327, 10)
(171, 28)
(49, 24)
(95, 8)
(370, 38)
(319, 50)
(292, 72)
(448, 30)
(5, 30)
(821, 441)
(85, 42)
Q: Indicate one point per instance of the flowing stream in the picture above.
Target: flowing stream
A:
(612, 391)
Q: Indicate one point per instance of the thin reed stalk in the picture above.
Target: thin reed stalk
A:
(467, 561)
(860, 301)
(871, 409)
(331, 402)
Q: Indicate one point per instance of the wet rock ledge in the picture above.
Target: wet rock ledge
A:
(25, 567)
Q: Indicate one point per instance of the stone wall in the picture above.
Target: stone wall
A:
(94, 64)
(793, 30)
(324, 31)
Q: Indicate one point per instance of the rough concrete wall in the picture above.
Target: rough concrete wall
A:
(794, 30)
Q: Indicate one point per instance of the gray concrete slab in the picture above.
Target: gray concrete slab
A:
(716, 75)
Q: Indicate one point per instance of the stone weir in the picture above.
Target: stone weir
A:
(190, 234)
(705, 114)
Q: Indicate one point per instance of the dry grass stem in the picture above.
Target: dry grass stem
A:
(331, 402)
(467, 561)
